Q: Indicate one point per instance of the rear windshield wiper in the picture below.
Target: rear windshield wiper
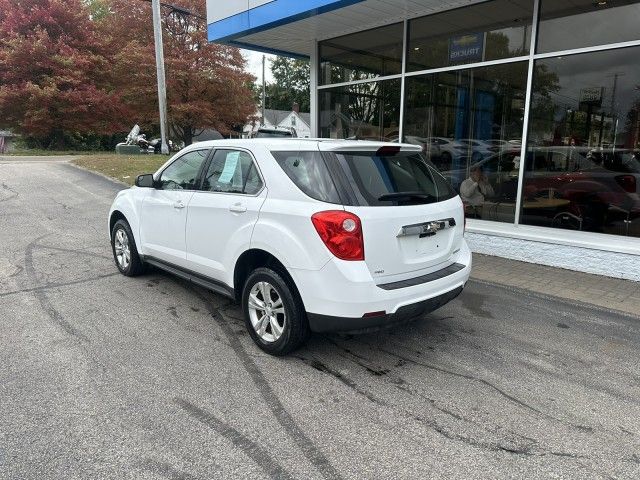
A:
(407, 196)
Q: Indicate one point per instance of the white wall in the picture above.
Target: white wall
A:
(600, 262)
(221, 9)
(302, 129)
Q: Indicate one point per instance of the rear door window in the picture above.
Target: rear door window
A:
(309, 172)
(232, 171)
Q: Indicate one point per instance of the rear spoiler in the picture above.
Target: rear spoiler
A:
(379, 147)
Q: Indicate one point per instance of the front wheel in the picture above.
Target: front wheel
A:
(273, 312)
(124, 250)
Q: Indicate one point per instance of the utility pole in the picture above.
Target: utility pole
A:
(162, 87)
(264, 87)
(614, 113)
(614, 91)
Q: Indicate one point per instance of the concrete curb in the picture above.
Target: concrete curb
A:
(565, 300)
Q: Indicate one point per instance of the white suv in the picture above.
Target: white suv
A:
(309, 235)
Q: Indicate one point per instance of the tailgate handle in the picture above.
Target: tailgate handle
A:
(426, 229)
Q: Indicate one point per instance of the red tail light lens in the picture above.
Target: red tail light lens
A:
(627, 182)
(341, 232)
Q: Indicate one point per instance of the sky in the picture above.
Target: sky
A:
(254, 65)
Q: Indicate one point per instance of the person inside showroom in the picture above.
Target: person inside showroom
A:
(474, 190)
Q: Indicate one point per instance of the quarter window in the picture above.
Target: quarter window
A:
(182, 174)
(310, 174)
(232, 171)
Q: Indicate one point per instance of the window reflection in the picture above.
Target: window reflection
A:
(469, 123)
(582, 167)
(567, 24)
(362, 55)
(367, 111)
(487, 31)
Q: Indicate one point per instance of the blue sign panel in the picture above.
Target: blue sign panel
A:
(466, 48)
(269, 15)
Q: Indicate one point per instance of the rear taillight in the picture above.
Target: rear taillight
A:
(627, 182)
(341, 232)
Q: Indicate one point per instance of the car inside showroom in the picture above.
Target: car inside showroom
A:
(530, 108)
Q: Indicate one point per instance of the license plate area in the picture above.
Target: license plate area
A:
(426, 229)
(426, 240)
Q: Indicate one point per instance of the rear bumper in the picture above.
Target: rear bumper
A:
(325, 323)
(338, 296)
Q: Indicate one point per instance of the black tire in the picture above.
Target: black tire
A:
(295, 325)
(135, 266)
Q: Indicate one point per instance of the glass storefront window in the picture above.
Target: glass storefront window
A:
(469, 123)
(362, 55)
(567, 24)
(582, 170)
(487, 31)
(366, 111)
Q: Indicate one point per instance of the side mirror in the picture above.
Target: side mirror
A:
(145, 181)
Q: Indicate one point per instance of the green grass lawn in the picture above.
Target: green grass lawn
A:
(122, 167)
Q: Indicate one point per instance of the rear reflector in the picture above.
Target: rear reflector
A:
(374, 314)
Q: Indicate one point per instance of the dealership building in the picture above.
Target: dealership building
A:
(536, 101)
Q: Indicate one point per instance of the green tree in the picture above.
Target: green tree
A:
(292, 84)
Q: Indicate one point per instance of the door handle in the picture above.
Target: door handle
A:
(178, 205)
(237, 208)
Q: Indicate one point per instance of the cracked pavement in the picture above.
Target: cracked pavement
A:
(103, 376)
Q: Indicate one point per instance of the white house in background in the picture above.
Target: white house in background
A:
(300, 121)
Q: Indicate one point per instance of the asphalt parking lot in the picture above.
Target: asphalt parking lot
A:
(103, 376)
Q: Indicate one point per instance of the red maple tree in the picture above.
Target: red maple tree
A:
(207, 87)
(54, 72)
(88, 67)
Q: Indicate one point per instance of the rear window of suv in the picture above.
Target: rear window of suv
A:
(367, 178)
(401, 178)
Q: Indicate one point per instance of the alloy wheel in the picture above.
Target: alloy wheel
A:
(266, 311)
(122, 249)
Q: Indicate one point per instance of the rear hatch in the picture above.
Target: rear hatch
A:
(412, 219)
